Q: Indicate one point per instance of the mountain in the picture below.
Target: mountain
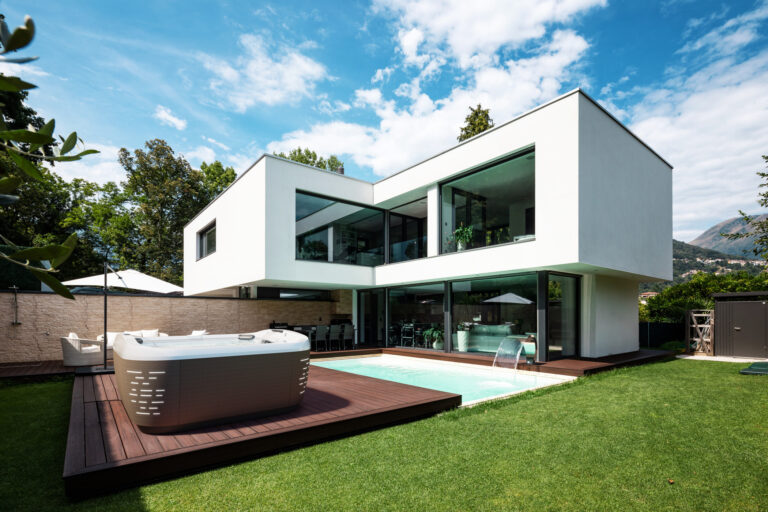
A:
(711, 238)
(688, 260)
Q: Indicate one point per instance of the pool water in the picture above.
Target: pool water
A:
(474, 383)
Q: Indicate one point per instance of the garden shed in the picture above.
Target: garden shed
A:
(741, 324)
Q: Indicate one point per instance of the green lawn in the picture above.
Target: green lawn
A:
(607, 442)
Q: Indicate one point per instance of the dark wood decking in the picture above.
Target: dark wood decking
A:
(571, 367)
(106, 451)
(34, 368)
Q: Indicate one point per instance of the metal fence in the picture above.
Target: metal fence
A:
(655, 334)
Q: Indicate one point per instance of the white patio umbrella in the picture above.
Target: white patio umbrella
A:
(129, 279)
(509, 298)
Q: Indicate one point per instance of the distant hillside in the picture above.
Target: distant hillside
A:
(711, 238)
(688, 260)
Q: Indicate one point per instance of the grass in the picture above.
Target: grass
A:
(606, 442)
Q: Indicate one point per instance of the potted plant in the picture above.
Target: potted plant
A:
(462, 337)
(437, 339)
(462, 235)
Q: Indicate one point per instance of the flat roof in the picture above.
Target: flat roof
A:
(744, 295)
(578, 90)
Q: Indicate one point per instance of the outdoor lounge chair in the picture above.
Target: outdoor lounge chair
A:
(80, 352)
(755, 369)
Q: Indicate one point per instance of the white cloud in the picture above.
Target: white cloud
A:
(101, 167)
(327, 107)
(709, 124)
(241, 162)
(711, 127)
(472, 32)
(165, 116)
(266, 73)
(426, 126)
(216, 143)
(729, 37)
(23, 71)
(382, 75)
(200, 154)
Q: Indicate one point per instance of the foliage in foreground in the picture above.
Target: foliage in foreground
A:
(23, 148)
(609, 442)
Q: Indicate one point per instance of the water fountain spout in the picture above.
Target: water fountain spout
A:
(509, 351)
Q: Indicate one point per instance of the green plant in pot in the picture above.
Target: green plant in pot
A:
(435, 336)
(462, 235)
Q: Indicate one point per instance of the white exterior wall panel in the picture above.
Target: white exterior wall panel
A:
(625, 199)
(240, 216)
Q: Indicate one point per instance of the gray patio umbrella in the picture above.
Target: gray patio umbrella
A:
(127, 279)
(509, 298)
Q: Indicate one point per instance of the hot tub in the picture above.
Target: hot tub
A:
(177, 382)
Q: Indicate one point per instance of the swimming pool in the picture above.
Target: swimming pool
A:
(474, 383)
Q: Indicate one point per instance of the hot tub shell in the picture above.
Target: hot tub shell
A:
(178, 382)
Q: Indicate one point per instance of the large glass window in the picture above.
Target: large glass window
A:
(562, 316)
(408, 231)
(371, 317)
(493, 206)
(416, 317)
(206, 241)
(488, 311)
(338, 232)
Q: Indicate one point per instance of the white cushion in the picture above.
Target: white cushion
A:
(72, 336)
(134, 333)
(202, 332)
(150, 333)
(89, 348)
(163, 334)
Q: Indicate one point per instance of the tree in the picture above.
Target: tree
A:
(101, 216)
(672, 304)
(758, 228)
(477, 121)
(165, 193)
(309, 157)
(216, 178)
(24, 146)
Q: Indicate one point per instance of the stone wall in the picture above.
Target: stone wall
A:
(47, 317)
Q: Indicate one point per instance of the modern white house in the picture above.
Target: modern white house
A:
(563, 211)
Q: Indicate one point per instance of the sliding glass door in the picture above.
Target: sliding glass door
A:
(371, 316)
(562, 316)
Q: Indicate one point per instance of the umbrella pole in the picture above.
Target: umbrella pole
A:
(105, 315)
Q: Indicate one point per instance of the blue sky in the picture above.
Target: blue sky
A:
(385, 83)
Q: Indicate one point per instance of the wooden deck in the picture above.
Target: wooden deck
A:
(571, 367)
(34, 368)
(105, 451)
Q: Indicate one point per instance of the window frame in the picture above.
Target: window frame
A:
(202, 242)
(518, 153)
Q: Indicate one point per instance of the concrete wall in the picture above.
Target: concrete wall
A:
(609, 316)
(47, 317)
(625, 199)
(239, 213)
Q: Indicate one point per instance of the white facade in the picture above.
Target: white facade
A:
(603, 210)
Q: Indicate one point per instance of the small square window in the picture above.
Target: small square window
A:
(206, 241)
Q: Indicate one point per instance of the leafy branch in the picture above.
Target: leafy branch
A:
(26, 148)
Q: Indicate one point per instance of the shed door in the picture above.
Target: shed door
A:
(748, 329)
